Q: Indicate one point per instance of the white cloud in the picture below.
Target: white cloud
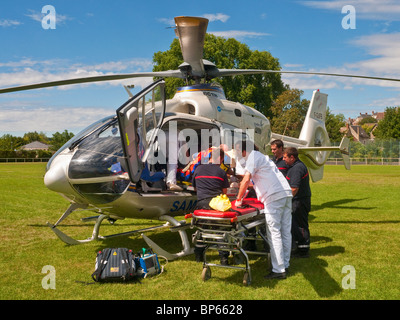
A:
(49, 119)
(365, 9)
(210, 16)
(384, 61)
(38, 16)
(35, 110)
(238, 34)
(309, 82)
(216, 17)
(387, 102)
(168, 21)
(386, 50)
(27, 71)
(292, 65)
(9, 23)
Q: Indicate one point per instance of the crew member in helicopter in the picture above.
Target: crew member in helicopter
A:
(210, 180)
(173, 146)
(170, 146)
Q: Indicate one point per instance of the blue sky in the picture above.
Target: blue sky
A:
(121, 36)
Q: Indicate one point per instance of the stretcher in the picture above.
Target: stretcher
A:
(235, 231)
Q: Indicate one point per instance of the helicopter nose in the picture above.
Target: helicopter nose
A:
(56, 178)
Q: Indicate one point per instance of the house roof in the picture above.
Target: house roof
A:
(35, 145)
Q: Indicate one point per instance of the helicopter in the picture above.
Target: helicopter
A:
(118, 165)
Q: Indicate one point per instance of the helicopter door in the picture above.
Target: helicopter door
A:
(139, 120)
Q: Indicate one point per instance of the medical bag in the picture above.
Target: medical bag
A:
(114, 264)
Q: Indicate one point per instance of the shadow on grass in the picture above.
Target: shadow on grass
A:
(340, 204)
(313, 269)
(361, 221)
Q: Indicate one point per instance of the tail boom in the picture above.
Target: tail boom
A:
(313, 143)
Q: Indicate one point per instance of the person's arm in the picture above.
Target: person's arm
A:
(294, 191)
(243, 186)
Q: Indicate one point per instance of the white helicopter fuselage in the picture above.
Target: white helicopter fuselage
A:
(76, 172)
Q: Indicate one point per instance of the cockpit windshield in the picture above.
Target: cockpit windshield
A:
(81, 135)
(98, 154)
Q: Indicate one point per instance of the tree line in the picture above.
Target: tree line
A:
(10, 146)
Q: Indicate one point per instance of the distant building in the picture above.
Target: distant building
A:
(35, 145)
(378, 115)
(355, 131)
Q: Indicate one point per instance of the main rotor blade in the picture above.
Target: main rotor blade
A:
(191, 32)
(170, 73)
(233, 72)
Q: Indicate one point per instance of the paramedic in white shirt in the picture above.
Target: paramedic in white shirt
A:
(274, 191)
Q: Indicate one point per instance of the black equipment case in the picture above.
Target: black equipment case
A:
(114, 264)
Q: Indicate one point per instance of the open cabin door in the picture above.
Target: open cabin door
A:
(139, 120)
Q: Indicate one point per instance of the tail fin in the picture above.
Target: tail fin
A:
(318, 148)
(313, 143)
(314, 132)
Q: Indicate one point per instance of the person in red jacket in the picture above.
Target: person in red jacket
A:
(209, 181)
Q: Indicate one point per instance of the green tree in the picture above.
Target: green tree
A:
(35, 136)
(8, 142)
(333, 123)
(289, 112)
(258, 91)
(369, 119)
(389, 127)
(59, 139)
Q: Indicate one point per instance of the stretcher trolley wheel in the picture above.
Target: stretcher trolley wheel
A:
(206, 274)
(246, 279)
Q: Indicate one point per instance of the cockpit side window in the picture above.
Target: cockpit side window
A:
(80, 136)
(98, 153)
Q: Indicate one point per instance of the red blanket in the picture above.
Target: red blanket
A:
(249, 205)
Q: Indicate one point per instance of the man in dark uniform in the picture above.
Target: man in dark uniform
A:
(299, 181)
(277, 150)
(209, 181)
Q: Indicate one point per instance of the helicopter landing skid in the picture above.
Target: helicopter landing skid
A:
(176, 226)
(95, 235)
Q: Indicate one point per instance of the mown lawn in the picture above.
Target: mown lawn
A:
(354, 223)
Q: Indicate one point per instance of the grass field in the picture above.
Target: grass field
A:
(355, 221)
